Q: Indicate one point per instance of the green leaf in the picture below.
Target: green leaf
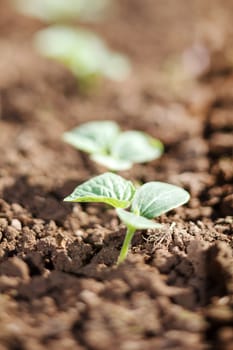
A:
(93, 137)
(111, 162)
(135, 221)
(116, 66)
(106, 188)
(61, 10)
(136, 147)
(83, 52)
(156, 198)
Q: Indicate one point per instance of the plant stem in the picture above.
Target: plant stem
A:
(126, 244)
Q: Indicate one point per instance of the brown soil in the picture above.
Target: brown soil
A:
(60, 287)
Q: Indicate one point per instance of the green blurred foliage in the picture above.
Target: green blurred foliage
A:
(63, 10)
(84, 53)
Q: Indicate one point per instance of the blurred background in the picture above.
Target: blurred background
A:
(177, 38)
(167, 42)
(145, 64)
(159, 66)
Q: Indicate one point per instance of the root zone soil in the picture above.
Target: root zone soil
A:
(60, 287)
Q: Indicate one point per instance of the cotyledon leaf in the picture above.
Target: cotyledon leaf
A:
(93, 137)
(106, 188)
(112, 163)
(81, 51)
(57, 10)
(156, 198)
(137, 147)
(135, 221)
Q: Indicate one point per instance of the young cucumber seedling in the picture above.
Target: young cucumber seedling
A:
(112, 148)
(63, 11)
(84, 53)
(145, 203)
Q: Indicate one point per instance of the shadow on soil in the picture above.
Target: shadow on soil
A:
(39, 201)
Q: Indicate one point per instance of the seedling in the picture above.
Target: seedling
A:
(145, 203)
(112, 148)
(84, 53)
(63, 10)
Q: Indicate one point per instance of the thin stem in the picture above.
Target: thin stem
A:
(126, 244)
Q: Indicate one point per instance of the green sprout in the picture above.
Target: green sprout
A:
(85, 54)
(63, 10)
(114, 149)
(145, 203)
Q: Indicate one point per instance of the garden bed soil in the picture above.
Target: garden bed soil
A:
(59, 283)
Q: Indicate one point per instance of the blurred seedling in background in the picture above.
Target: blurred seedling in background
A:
(110, 147)
(58, 11)
(145, 203)
(84, 53)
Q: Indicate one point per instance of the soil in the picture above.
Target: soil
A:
(59, 283)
